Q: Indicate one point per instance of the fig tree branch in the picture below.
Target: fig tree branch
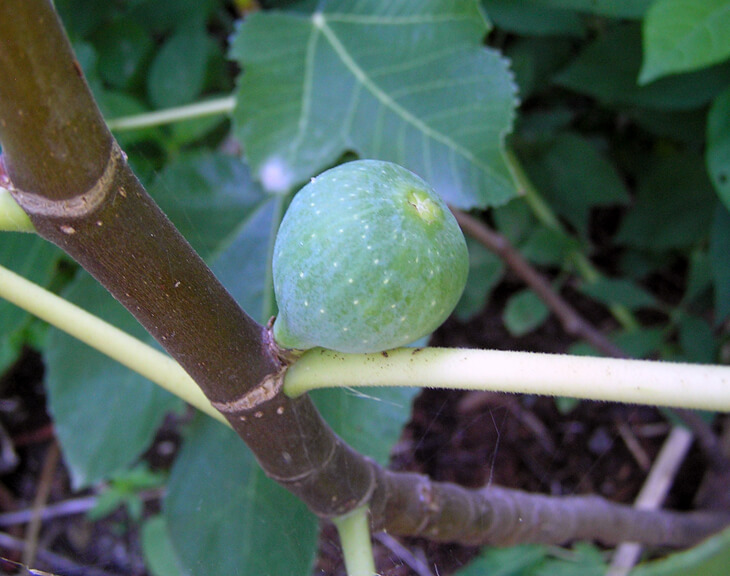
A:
(573, 323)
(500, 516)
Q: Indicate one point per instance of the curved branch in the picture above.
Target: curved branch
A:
(573, 323)
(499, 516)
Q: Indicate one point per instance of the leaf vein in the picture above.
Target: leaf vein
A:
(320, 23)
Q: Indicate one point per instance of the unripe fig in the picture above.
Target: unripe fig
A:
(367, 258)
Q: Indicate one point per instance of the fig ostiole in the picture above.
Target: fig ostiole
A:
(367, 258)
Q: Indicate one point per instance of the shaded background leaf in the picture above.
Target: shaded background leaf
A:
(674, 203)
(514, 561)
(209, 196)
(534, 18)
(710, 558)
(608, 70)
(575, 178)
(612, 291)
(124, 46)
(684, 35)
(549, 247)
(612, 8)
(719, 250)
(371, 420)
(226, 517)
(177, 73)
(485, 272)
(105, 415)
(159, 552)
(524, 312)
(34, 259)
(718, 146)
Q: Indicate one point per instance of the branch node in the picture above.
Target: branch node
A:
(285, 356)
(77, 206)
(264, 391)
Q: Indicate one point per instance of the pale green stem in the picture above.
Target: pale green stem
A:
(538, 206)
(210, 108)
(12, 216)
(107, 339)
(354, 531)
(546, 217)
(630, 381)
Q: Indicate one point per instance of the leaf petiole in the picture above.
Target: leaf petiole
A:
(223, 105)
(654, 383)
(12, 216)
(354, 531)
(104, 337)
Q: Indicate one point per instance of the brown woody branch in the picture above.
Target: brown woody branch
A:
(573, 323)
(445, 512)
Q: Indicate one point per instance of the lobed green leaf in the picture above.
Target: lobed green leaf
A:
(406, 82)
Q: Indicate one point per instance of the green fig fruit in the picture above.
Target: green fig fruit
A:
(368, 258)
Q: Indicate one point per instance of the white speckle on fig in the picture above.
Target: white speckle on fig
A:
(368, 271)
